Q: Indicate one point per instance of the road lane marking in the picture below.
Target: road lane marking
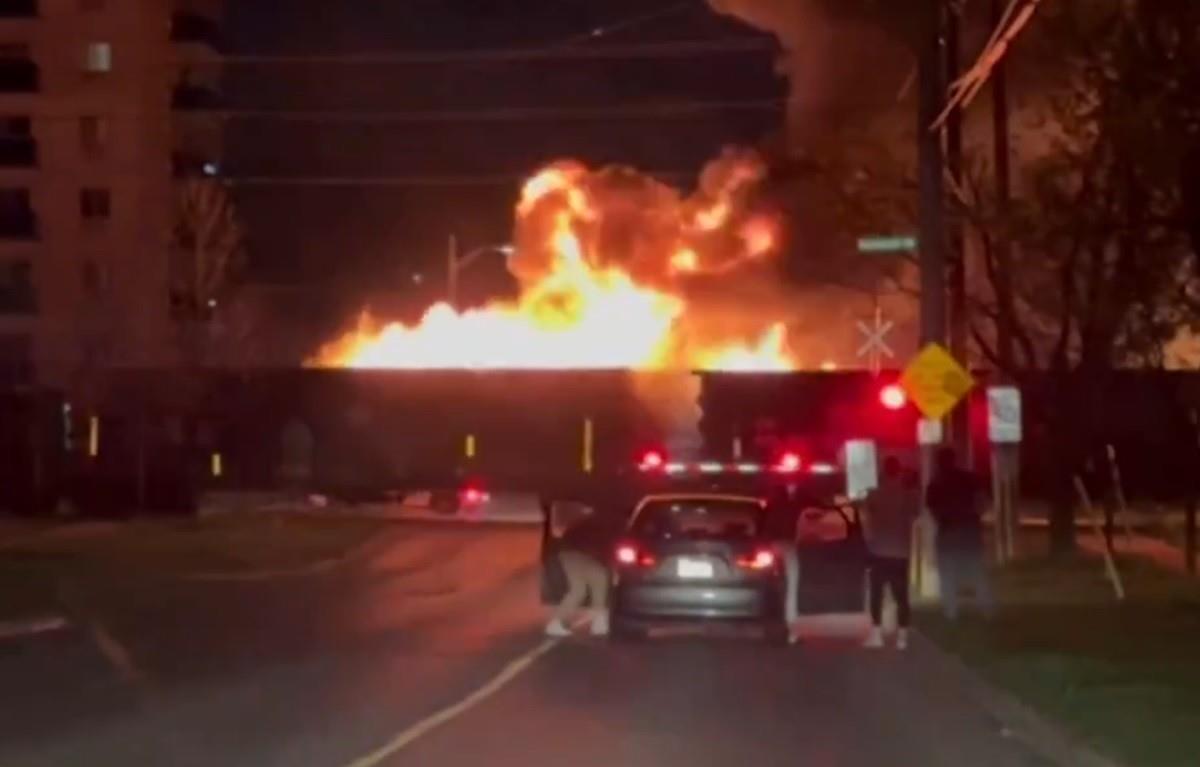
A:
(30, 627)
(500, 681)
(116, 654)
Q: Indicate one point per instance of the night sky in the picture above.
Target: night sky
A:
(356, 243)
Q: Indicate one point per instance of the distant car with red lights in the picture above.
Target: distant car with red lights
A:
(693, 556)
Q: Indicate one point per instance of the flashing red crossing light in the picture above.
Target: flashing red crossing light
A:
(893, 397)
(788, 463)
(652, 460)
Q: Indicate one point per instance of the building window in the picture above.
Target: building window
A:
(93, 278)
(16, 288)
(95, 204)
(17, 147)
(93, 134)
(16, 359)
(99, 58)
(17, 220)
(18, 72)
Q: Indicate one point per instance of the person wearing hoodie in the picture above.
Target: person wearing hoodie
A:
(888, 516)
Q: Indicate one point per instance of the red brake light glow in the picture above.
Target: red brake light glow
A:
(788, 463)
(627, 554)
(652, 460)
(893, 397)
(762, 559)
(473, 496)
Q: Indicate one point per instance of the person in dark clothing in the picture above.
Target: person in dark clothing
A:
(888, 516)
(955, 500)
(584, 551)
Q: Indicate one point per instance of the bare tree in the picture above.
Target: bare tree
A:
(208, 255)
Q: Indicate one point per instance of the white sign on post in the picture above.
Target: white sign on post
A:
(929, 432)
(861, 470)
(1004, 415)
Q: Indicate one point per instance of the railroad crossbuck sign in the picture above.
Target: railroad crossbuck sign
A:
(936, 382)
(875, 348)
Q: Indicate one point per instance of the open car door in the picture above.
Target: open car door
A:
(832, 559)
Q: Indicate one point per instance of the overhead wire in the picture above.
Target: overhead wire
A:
(654, 50)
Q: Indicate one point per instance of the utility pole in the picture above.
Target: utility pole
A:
(1000, 146)
(931, 94)
(1006, 458)
(960, 425)
(452, 272)
(931, 165)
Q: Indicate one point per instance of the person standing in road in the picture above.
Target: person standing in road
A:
(888, 516)
(782, 529)
(584, 551)
(955, 500)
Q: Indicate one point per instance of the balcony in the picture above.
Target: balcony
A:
(19, 226)
(195, 29)
(195, 98)
(18, 9)
(19, 76)
(18, 153)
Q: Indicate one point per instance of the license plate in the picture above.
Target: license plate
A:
(694, 568)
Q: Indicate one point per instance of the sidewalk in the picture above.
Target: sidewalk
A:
(1158, 551)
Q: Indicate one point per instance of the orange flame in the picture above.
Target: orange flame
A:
(602, 258)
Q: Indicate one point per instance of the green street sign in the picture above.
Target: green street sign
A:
(887, 244)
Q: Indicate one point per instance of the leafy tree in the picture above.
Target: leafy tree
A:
(1104, 270)
(208, 255)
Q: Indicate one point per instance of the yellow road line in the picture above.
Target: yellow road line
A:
(432, 722)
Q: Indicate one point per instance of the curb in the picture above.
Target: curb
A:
(1048, 739)
(44, 624)
(363, 550)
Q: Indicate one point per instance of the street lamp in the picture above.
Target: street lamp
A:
(455, 263)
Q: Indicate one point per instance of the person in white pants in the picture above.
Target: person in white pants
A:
(782, 528)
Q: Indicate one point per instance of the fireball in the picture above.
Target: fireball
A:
(616, 270)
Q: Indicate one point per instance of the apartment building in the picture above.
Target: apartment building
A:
(104, 104)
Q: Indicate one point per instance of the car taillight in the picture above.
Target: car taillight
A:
(627, 554)
(761, 559)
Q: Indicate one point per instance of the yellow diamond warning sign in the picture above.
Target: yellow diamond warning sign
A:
(935, 381)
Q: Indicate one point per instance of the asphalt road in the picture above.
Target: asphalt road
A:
(335, 670)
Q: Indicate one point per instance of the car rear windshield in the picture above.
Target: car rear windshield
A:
(699, 518)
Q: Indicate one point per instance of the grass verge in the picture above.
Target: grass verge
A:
(32, 568)
(1125, 677)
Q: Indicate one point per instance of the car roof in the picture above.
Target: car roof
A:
(698, 496)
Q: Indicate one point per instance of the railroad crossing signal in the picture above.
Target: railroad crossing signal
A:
(875, 348)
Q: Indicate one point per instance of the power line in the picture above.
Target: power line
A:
(631, 22)
(414, 181)
(509, 114)
(660, 50)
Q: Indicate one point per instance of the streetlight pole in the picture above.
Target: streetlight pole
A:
(455, 263)
(452, 271)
